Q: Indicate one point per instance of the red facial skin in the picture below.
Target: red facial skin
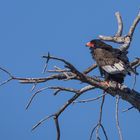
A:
(89, 44)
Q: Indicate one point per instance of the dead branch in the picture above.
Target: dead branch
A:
(46, 64)
(89, 69)
(62, 109)
(118, 38)
(33, 96)
(125, 110)
(57, 127)
(135, 63)
(125, 93)
(117, 118)
(97, 127)
(11, 77)
(132, 28)
(70, 72)
(34, 86)
(91, 99)
(41, 121)
(62, 76)
(131, 96)
(120, 24)
(100, 120)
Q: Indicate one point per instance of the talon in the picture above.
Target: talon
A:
(105, 83)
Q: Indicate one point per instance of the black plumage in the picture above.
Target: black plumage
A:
(112, 62)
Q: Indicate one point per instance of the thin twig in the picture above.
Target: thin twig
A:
(58, 71)
(46, 64)
(68, 64)
(64, 71)
(56, 92)
(6, 81)
(91, 99)
(58, 113)
(93, 130)
(9, 74)
(135, 80)
(34, 86)
(41, 121)
(128, 109)
(57, 127)
(89, 69)
(117, 117)
(34, 95)
(100, 118)
(60, 89)
(97, 127)
(104, 131)
(132, 28)
(101, 108)
(4, 70)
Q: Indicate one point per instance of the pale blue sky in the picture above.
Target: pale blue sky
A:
(31, 28)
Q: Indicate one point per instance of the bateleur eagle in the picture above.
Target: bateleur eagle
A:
(112, 62)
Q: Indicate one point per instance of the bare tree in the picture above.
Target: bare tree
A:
(70, 72)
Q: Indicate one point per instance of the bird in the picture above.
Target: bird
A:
(113, 63)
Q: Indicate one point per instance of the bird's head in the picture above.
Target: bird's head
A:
(93, 44)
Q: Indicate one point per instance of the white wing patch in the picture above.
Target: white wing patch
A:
(116, 68)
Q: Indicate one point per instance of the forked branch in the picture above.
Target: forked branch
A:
(99, 124)
(69, 72)
(118, 38)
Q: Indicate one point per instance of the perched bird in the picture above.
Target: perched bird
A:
(112, 62)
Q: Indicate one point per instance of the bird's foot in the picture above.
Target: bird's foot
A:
(105, 83)
(113, 84)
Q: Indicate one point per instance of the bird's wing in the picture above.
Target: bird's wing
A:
(109, 62)
(118, 67)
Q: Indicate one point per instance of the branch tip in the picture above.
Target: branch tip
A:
(41, 121)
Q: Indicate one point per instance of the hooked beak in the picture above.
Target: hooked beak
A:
(89, 44)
